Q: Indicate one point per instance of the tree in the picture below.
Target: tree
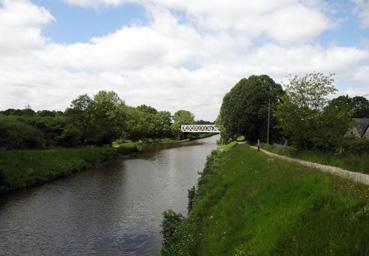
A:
(100, 120)
(304, 116)
(244, 110)
(107, 117)
(311, 90)
(358, 106)
(181, 117)
(79, 116)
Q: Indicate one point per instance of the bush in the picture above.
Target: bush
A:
(18, 135)
(170, 222)
(356, 145)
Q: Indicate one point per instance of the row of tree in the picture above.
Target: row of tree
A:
(301, 114)
(88, 121)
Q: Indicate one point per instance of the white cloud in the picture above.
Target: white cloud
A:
(20, 25)
(167, 63)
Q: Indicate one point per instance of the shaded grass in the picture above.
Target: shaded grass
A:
(348, 161)
(21, 168)
(250, 204)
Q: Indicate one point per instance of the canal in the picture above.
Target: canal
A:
(113, 209)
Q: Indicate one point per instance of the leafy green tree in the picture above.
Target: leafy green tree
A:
(305, 117)
(163, 122)
(107, 113)
(181, 117)
(244, 110)
(79, 116)
(358, 106)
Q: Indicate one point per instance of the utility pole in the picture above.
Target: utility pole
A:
(268, 125)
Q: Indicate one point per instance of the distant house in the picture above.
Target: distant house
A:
(360, 129)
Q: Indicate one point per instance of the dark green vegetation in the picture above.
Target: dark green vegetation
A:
(21, 168)
(358, 106)
(245, 108)
(89, 121)
(356, 162)
(250, 204)
(302, 115)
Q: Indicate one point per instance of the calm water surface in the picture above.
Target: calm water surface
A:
(115, 209)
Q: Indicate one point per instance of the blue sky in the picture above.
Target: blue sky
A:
(174, 54)
(75, 24)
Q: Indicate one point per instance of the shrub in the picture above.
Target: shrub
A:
(356, 145)
(17, 135)
(170, 222)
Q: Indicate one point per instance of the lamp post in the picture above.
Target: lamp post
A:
(268, 122)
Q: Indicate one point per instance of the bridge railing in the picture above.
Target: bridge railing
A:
(200, 128)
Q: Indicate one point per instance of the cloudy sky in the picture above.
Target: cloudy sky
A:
(174, 54)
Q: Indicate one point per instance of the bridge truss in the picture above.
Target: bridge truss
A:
(200, 128)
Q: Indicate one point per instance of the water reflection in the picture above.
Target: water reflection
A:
(115, 209)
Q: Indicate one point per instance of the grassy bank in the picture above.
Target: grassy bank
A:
(22, 168)
(135, 144)
(348, 161)
(249, 204)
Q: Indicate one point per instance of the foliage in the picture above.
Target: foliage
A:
(191, 197)
(304, 117)
(181, 117)
(17, 135)
(170, 221)
(249, 204)
(358, 106)
(21, 168)
(311, 90)
(244, 110)
(99, 120)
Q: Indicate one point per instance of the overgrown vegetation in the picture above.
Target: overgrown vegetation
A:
(21, 168)
(249, 204)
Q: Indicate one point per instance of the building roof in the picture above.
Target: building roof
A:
(362, 125)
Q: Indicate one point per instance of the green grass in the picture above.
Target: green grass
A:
(21, 168)
(351, 162)
(250, 204)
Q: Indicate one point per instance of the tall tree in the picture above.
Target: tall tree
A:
(244, 110)
(305, 117)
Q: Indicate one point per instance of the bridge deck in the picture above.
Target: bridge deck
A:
(200, 128)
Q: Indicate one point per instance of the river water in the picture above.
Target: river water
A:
(114, 209)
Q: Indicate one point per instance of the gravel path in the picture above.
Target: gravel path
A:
(355, 176)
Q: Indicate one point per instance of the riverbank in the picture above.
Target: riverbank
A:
(250, 204)
(348, 161)
(133, 146)
(23, 168)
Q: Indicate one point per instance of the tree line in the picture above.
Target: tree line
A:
(302, 112)
(97, 120)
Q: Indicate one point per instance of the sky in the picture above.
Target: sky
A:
(174, 54)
